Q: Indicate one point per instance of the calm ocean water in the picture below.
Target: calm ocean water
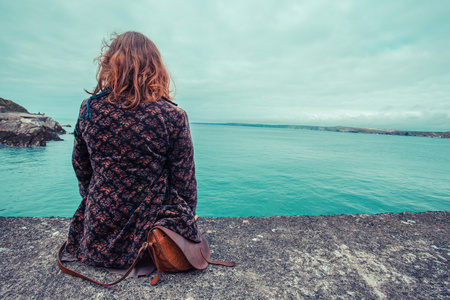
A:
(255, 171)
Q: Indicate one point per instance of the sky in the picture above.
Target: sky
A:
(380, 64)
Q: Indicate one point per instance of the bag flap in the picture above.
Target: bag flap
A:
(192, 250)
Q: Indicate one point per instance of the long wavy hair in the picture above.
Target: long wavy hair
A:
(131, 67)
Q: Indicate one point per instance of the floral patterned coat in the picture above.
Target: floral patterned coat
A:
(135, 169)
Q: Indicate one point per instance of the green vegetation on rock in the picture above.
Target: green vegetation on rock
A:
(11, 106)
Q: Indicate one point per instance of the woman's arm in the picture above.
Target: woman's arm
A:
(182, 166)
(81, 161)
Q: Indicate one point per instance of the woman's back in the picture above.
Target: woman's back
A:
(135, 169)
(131, 144)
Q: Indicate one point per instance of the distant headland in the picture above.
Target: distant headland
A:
(20, 128)
(429, 134)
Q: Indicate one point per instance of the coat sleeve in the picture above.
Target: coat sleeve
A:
(182, 166)
(81, 161)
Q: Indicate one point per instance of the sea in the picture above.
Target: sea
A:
(259, 171)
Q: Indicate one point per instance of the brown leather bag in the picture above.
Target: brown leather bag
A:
(170, 252)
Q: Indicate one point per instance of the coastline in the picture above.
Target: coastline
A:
(428, 134)
(403, 255)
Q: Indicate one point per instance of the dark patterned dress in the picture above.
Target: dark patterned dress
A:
(135, 169)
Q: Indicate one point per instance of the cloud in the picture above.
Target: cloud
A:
(272, 61)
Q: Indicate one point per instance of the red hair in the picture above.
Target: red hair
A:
(131, 67)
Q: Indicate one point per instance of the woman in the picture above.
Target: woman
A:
(133, 157)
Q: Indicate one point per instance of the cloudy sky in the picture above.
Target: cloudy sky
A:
(360, 63)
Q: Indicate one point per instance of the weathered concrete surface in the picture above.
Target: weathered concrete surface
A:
(386, 256)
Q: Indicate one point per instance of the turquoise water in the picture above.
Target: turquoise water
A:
(256, 171)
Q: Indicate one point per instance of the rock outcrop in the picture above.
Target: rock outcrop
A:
(26, 130)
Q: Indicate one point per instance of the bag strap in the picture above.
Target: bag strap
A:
(76, 274)
(188, 248)
(156, 261)
(217, 262)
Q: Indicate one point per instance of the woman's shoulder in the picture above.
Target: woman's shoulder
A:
(169, 107)
(86, 104)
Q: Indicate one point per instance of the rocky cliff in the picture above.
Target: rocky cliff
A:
(26, 130)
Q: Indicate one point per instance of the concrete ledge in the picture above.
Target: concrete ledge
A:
(385, 256)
